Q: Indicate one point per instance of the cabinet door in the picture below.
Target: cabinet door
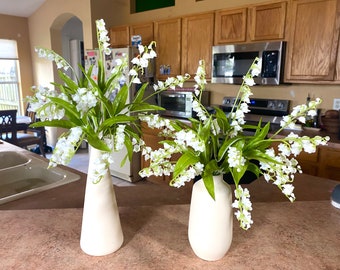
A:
(309, 162)
(329, 163)
(230, 26)
(267, 22)
(151, 139)
(313, 41)
(197, 42)
(119, 36)
(145, 30)
(168, 47)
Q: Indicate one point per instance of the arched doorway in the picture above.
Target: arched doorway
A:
(66, 39)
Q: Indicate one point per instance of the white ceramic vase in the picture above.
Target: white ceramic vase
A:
(210, 228)
(101, 231)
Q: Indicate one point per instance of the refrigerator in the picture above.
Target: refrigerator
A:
(129, 171)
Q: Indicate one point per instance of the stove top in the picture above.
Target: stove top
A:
(268, 110)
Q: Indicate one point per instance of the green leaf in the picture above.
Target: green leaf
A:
(140, 94)
(94, 141)
(70, 110)
(129, 148)
(224, 147)
(119, 102)
(256, 154)
(143, 107)
(207, 176)
(222, 119)
(54, 123)
(237, 175)
(68, 81)
(118, 119)
(208, 181)
(205, 131)
(187, 159)
(263, 132)
(101, 77)
(254, 169)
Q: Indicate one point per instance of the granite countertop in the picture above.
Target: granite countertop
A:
(42, 231)
(303, 235)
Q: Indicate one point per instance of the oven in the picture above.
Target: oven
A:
(266, 110)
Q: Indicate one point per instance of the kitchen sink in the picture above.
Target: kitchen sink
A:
(22, 175)
(11, 159)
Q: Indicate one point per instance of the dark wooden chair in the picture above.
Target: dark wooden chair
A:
(8, 132)
(37, 130)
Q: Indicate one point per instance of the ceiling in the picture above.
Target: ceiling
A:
(21, 8)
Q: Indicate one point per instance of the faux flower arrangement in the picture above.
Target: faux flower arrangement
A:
(215, 144)
(96, 110)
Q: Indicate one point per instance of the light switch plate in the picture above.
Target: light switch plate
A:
(336, 104)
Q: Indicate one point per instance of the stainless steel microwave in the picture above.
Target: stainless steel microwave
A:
(231, 62)
(178, 103)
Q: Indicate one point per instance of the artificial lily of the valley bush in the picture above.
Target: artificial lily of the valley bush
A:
(96, 111)
(214, 144)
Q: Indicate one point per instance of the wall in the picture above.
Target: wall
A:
(49, 19)
(45, 27)
(295, 92)
(16, 28)
(103, 9)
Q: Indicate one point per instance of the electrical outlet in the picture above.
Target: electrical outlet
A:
(336, 104)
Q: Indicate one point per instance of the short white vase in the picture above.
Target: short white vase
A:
(101, 231)
(210, 228)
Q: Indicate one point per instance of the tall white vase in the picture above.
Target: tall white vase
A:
(101, 231)
(210, 228)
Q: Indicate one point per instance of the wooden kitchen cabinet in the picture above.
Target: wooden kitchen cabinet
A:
(168, 37)
(329, 165)
(230, 26)
(313, 41)
(145, 30)
(309, 162)
(323, 163)
(197, 41)
(254, 23)
(151, 139)
(119, 36)
(267, 22)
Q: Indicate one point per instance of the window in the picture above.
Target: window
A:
(9, 75)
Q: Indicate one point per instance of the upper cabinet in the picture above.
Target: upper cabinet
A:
(230, 26)
(254, 23)
(313, 41)
(145, 30)
(119, 36)
(168, 38)
(267, 22)
(197, 40)
(310, 27)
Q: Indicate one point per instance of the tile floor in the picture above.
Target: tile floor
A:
(80, 162)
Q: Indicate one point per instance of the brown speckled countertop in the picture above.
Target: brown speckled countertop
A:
(42, 231)
(303, 235)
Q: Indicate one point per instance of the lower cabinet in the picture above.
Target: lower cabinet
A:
(329, 163)
(151, 139)
(325, 162)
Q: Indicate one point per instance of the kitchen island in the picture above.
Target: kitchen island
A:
(42, 231)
